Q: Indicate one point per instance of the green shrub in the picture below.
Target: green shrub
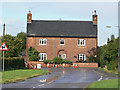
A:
(112, 65)
(33, 54)
(66, 62)
(57, 60)
(14, 63)
(48, 61)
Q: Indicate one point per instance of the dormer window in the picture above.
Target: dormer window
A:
(62, 42)
(42, 41)
(81, 42)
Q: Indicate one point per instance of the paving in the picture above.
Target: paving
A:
(63, 78)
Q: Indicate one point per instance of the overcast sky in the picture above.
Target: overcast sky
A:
(14, 15)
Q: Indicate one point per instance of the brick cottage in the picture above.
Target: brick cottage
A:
(63, 38)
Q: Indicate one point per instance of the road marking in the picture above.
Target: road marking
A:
(49, 82)
(100, 78)
(41, 85)
(106, 78)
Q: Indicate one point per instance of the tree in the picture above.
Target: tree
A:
(14, 44)
(33, 54)
(22, 36)
(112, 38)
(108, 40)
(92, 57)
(109, 54)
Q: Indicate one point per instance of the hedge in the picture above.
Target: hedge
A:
(57, 60)
(14, 63)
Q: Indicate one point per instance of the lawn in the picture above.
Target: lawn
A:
(20, 75)
(111, 83)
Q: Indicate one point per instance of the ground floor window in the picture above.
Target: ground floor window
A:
(62, 56)
(43, 56)
(81, 57)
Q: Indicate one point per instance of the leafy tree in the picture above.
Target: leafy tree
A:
(112, 38)
(108, 40)
(92, 57)
(33, 54)
(22, 36)
(14, 44)
(109, 54)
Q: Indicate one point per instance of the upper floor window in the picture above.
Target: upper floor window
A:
(62, 42)
(42, 56)
(42, 41)
(81, 42)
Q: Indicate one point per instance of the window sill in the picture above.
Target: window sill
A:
(41, 60)
(62, 44)
(80, 45)
(42, 44)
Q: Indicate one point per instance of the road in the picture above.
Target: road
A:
(63, 78)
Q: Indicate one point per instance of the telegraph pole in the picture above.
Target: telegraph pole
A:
(3, 29)
(3, 51)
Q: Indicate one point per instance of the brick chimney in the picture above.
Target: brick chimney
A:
(94, 17)
(29, 17)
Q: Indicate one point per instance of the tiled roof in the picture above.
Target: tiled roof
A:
(60, 28)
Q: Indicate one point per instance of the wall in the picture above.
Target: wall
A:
(95, 65)
(53, 46)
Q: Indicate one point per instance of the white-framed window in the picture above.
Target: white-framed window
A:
(64, 56)
(59, 55)
(62, 41)
(42, 41)
(81, 57)
(81, 42)
(43, 56)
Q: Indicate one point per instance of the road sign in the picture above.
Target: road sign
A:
(4, 47)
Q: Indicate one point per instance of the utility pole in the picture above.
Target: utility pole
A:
(3, 29)
(3, 51)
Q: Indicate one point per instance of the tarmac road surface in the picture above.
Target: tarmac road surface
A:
(63, 78)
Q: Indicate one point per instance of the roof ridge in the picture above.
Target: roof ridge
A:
(63, 20)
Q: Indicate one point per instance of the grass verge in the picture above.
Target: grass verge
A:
(21, 75)
(111, 83)
(109, 71)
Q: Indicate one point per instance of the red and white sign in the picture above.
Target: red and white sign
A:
(4, 47)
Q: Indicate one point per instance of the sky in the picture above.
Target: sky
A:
(14, 15)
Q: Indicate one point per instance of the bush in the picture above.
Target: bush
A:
(81, 61)
(66, 62)
(57, 60)
(14, 63)
(48, 61)
(33, 54)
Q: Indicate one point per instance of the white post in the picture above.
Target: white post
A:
(3, 63)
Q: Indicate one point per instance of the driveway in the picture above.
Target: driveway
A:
(63, 78)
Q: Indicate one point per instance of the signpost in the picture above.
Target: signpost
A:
(3, 48)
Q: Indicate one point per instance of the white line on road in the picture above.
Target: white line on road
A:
(49, 82)
(41, 85)
(100, 78)
(106, 78)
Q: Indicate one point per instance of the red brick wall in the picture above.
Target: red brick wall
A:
(66, 65)
(53, 46)
(87, 64)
